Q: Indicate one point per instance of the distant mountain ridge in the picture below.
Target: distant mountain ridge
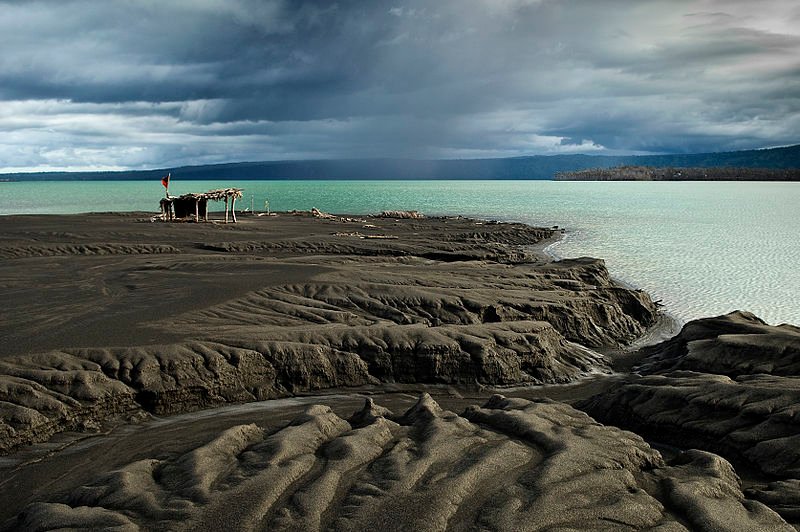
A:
(527, 167)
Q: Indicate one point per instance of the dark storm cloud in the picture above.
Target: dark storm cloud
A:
(87, 83)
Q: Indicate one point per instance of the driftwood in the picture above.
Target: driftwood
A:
(358, 234)
(401, 214)
(316, 213)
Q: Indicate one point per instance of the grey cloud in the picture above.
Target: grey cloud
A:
(152, 83)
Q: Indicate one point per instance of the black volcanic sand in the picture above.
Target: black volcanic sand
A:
(729, 385)
(112, 318)
(120, 316)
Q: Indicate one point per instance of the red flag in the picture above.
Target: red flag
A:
(165, 181)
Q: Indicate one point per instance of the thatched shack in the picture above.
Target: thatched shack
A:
(195, 204)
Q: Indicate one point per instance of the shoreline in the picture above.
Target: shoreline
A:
(168, 288)
(665, 326)
(623, 360)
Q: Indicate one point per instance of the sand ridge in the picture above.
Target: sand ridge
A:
(727, 384)
(508, 465)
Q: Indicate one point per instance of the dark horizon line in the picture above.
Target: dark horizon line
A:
(393, 159)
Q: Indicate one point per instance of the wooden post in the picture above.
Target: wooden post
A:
(196, 209)
(233, 207)
(226, 209)
(205, 211)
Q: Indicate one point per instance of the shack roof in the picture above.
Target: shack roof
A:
(213, 195)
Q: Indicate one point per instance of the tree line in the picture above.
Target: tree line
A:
(651, 173)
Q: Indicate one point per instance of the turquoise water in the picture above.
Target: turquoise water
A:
(701, 248)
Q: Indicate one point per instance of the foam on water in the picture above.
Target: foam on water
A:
(702, 248)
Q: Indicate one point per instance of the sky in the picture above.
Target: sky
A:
(135, 84)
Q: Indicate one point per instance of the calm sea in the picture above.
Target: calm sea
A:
(702, 248)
